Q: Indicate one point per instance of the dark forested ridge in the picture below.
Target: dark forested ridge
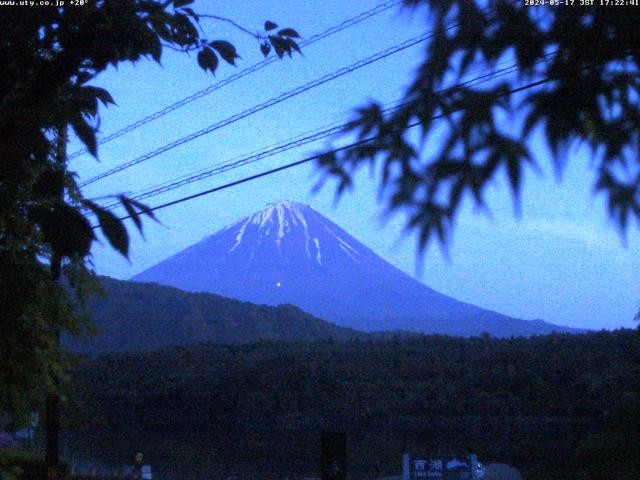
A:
(135, 316)
(558, 406)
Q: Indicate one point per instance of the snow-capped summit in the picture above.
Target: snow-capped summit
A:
(289, 253)
(295, 230)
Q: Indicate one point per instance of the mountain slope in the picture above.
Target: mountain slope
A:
(138, 316)
(289, 253)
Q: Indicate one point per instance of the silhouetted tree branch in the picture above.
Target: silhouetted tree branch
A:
(590, 59)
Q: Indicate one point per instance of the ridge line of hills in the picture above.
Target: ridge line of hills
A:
(135, 316)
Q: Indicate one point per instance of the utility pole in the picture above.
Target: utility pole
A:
(333, 456)
(52, 425)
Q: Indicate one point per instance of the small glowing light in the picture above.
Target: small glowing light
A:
(278, 284)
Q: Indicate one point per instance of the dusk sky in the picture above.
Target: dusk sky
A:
(559, 260)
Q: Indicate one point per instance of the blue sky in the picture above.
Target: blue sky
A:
(560, 260)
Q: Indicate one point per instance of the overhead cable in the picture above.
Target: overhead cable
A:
(237, 76)
(298, 141)
(308, 159)
(264, 105)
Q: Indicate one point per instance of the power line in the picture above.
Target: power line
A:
(309, 159)
(272, 150)
(295, 142)
(262, 106)
(238, 163)
(243, 73)
(234, 162)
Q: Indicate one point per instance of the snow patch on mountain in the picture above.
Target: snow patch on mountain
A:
(285, 216)
(318, 253)
(239, 236)
(290, 227)
(348, 249)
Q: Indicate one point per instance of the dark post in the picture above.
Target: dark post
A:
(137, 467)
(333, 456)
(52, 425)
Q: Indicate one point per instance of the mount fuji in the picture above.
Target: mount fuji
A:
(288, 253)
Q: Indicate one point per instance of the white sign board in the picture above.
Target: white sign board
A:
(146, 472)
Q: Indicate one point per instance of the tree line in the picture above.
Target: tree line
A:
(550, 405)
